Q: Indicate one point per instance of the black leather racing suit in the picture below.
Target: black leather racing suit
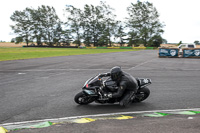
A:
(127, 87)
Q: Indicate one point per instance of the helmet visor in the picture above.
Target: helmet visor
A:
(114, 77)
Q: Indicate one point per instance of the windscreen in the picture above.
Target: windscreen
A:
(95, 81)
(190, 46)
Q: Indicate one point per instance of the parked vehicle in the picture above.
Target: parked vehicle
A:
(181, 46)
(94, 88)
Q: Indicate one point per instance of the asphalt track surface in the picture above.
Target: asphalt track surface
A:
(36, 89)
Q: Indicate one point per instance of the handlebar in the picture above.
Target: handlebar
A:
(103, 75)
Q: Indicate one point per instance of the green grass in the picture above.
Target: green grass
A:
(28, 53)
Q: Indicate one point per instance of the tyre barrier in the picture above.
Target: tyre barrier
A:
(176, 52)
(191, 52)
(168, 52)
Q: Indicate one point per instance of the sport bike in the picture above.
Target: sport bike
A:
(95, 87)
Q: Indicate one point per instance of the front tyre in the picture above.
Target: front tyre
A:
(82, 99)
(142, 94)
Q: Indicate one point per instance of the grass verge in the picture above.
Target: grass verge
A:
(28, 53)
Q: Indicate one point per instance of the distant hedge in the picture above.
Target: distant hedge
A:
(119, 47)
(53, 46)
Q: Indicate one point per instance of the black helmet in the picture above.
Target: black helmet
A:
(116, 73)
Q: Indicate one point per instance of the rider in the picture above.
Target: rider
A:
(126, 85)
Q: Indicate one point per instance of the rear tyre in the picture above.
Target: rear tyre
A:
(142, 94)
(82, 99)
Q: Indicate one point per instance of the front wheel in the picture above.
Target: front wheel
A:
(81, 98)
(142, 94)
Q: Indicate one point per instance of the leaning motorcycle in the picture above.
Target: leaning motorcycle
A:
(94, 88)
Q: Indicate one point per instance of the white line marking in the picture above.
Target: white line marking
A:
(97, 115)
(21, 73)
(141, 64)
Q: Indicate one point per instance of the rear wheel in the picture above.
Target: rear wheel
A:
(82, 98)
(142, 94)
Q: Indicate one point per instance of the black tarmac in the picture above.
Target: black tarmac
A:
(36, 89)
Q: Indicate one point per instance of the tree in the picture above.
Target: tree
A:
(164, 41)
(109, 24)
(48, 19)
(39, 24)
(120, 34)
(132, 38)
(18, 40)
(75, 22)
(197, 42)
(179, 43)
(58, 34)
(62, 36)
(156, 41)
(92, 25)
(22, 25)
(98, 24)
(143, 22)
(12, 40)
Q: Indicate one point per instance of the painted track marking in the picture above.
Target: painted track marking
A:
(97, 115)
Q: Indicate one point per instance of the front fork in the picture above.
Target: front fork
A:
(101, 94)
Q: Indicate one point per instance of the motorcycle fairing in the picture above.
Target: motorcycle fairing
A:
(90, 92)
(142, 82)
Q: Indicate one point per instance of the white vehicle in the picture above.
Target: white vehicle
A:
(181, 46)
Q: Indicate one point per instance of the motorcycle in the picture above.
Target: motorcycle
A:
(94, 88)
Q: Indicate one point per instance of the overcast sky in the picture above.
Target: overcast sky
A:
(181, 17)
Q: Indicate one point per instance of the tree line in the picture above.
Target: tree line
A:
(93, 25)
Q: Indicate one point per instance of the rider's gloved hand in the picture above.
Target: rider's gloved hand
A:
(103, 75)
(108, 95)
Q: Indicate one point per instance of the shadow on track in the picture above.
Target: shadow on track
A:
(108, 108)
